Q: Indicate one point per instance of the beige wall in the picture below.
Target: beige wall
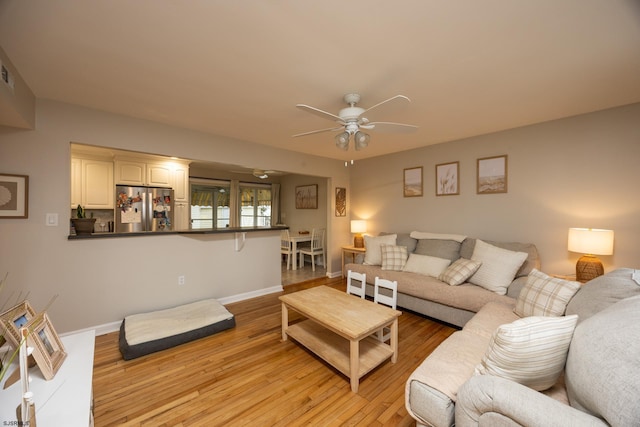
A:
(98, 282)
(576, 172)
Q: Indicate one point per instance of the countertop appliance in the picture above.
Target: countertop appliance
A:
(140, 209)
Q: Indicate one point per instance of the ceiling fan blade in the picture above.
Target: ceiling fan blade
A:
(391, 127)
(387, 100)
(318, 112)
(318, 131)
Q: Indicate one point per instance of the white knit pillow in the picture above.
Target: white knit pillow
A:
(426, 265)
(393, 257)
(373, 255)
(531, 351)
(543, 295)
(499, 266)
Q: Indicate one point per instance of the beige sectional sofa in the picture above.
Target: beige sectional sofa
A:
(596, 382)
(431, 296)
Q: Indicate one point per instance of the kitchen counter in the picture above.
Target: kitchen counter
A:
(184, 232)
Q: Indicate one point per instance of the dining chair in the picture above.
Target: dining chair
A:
(316, 248)
(286, 247)
(385, 292)
(356, 283)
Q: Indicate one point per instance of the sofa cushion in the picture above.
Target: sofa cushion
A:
(426, 265)
(403, 239)
(531, 351)
(373, 255)
(449, 249)
(544, 295)
(532, 261)
(490, 317)
(603, 291)
(499, 266)
(603, 367)
(458, 272)
(393, 257)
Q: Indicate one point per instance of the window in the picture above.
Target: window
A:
(255, 205)
(210, 207)
(213, 207)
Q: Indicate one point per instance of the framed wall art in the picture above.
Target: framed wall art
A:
(14, 196)
(48, 350)
(341, 201)
(307, 196)
(492, 175)
(447, 183)
(412, 182)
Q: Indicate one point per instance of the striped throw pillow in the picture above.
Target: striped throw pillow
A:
(543, 295)
(393, 257)
(531, 351)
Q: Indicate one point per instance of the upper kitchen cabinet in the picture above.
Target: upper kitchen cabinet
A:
(154, 173)
(130, 172)
(92, 183)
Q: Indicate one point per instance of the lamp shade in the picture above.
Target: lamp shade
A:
(591, 241)
(358, 226)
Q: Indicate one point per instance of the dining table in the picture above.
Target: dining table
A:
(295, 239)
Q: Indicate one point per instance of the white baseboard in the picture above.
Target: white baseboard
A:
(107, 328)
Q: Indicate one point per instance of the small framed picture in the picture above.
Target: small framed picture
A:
(447, 183)
(48, 350)
(412, 182)
(307, 196)
(341, 201)
(14, 196)
(13, 319)
(492, 175)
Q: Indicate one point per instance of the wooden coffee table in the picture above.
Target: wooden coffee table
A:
(338, 328)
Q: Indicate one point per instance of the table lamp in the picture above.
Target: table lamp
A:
(590, 242)
(358, 226)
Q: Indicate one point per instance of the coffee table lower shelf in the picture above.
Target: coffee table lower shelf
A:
(335, 350)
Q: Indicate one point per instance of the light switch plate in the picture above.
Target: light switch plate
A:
(52, 220)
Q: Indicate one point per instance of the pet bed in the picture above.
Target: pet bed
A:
(145, 333)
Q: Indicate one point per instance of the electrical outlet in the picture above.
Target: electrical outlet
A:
(181, 280)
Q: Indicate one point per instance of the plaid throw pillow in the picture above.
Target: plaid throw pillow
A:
(458, 272)
(393, 257)
(543, 295)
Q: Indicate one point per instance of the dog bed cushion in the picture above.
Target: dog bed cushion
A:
(141, 334)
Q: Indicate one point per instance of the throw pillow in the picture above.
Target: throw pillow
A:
(426, 265)
(449, 249)
(393, 257)
(458, 272)
(373, 255)
(543, 295)
(498, 269)
(531, 351)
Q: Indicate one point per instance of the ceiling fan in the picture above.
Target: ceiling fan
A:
(351, 121)
(258, 173)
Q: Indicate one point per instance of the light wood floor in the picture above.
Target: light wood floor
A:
(247, 376)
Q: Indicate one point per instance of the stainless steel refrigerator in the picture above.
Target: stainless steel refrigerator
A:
(140, 209)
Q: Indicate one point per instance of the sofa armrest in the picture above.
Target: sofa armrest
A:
(487, 400)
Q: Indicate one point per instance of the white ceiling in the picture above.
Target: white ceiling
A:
(238, 68)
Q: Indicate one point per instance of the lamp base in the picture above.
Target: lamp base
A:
(588, 267)
(358, 241)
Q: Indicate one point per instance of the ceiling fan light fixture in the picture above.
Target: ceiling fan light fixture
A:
(342, 140)
(361, 140)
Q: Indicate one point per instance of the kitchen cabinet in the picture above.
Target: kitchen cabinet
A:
(181, 216)
(92, 183)
(181, 182)
(159, 174)
(129, 172)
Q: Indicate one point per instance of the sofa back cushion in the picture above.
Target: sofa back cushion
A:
(532, 261)
(603, 368)
(448, 249)
(403, 239)
(603, 291)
